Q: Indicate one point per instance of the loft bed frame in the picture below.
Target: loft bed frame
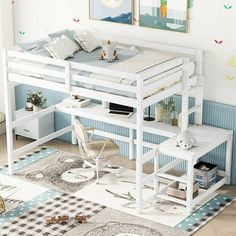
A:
(186, 87)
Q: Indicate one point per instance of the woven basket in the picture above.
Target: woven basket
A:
(2, 205)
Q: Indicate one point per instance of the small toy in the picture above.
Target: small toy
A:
(51, 220)
(2, 205)
(186, 140)
(57, 220)
(109, 52)
(81, 219)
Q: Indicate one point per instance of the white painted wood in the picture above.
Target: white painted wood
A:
(9, 118)
(32, 115)
(190, 181)
(42, 141)
(172, 177)
(148, 179)
(68, 77)
(34, 128)
(131, 144)
(228, 164)
(148, 156)
(139, 146)
(74, 140)
(156, 168)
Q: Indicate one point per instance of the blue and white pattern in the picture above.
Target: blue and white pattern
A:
(29, 159)
(205, 213)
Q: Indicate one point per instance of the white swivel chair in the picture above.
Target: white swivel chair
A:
(96, 150)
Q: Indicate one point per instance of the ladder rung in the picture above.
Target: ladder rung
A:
(172, 177)
(193, 109)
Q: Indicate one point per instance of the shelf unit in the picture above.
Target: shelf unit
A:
(208, 138)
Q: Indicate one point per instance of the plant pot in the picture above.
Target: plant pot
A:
(36, 108)
(29, 106)
(163, 11)
(159, 112)
(167, 117)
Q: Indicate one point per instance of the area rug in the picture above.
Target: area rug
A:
(51, 169)
(101, 221)
(56, 171)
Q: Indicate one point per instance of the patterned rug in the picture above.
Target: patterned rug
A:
(52, 169)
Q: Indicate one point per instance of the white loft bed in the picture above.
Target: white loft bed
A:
(20, 68)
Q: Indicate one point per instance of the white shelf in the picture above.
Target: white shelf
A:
(96, 112)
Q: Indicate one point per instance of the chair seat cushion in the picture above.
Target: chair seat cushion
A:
(94, 148)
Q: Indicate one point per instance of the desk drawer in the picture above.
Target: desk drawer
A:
(28, 131)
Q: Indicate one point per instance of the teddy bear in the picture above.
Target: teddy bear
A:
(186, 140)
(109, 52)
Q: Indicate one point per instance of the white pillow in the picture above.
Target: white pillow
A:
(62, 48)
(86, 40)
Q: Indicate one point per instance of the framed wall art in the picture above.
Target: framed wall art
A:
(119, 11)
(164, 14)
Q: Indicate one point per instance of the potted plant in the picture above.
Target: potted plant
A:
(163, 8)
(36, 99)
(166, 110)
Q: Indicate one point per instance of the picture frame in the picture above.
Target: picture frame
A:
(116, 11)
(169, 15)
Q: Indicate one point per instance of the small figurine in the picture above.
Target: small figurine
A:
(186, 140)
(2, 205)
(51, 220)
(81, 219)
(57, 220)
(109, 52)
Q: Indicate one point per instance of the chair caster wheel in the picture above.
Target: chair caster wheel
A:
(97, 181)
(84, 166)
(118, 175)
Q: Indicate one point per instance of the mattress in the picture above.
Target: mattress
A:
(131, 61)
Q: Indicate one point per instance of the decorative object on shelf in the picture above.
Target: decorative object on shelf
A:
(118, 11)
(109, 53)
(205, 174)
(164, 14)
(35, 100)
(174, 119)
(159, 112)
(186, 140)
(76, 101)
(166, 110)
(2, 205)
(178, 190)
(149, 118)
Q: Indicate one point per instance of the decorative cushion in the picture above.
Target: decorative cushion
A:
(65, 32)
(61, 48)
(87, 41)
(2, 117)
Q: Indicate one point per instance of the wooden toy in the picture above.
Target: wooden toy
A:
(81, 219)
(51, 220)
(2, 205)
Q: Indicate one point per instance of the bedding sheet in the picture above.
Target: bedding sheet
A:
(132, 61)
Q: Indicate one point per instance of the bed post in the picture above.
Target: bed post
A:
(8, 111)
(139, 147)
(200, 93)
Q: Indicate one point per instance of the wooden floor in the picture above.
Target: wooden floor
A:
(224, 224)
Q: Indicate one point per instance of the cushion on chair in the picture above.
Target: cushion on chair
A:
(94, 148)
(80, 131)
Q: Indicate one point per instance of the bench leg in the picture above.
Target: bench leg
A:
(190, 173)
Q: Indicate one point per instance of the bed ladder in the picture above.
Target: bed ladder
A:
(196, 92)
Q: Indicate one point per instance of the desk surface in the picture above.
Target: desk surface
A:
(96, 112)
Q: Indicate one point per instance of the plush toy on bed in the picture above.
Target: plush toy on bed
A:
(109, 52)
(186, 140)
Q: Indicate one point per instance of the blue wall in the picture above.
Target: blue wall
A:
(214, 114)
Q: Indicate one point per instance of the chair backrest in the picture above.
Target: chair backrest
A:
(81, 132)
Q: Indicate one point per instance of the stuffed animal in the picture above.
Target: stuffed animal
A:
(109, 52)
(186, 140)
(2, 205)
